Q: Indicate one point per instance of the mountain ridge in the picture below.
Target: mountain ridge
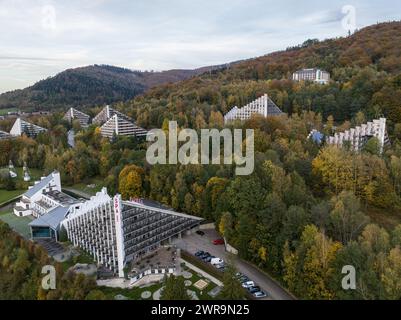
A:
(90, 86)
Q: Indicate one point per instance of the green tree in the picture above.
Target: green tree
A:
(174, 289)
(232, 289)
(95, 295)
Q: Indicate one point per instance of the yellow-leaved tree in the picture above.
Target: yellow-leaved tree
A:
(130, 181)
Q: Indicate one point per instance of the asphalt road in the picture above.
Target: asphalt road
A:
(195, 242)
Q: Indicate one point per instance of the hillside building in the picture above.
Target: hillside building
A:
(315, 75)
(74, 114)
(263, 106)
(119, 126)
(21, 127)
(115, 233)
(44, 196)
(358, 136)
(5, 135)
(107, 113)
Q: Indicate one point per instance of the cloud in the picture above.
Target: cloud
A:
(38, 41)
(16, 58)
(322, 17)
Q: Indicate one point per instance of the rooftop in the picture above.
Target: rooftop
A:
(153, 205)
(61, 197)
(51, 219)
(38, 186)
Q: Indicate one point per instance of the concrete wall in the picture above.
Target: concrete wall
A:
(207, 226)
(231, 249)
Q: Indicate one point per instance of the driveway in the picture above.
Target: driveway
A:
(195, 242)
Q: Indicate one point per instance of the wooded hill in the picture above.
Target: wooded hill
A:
(365, 69)
(90, 86)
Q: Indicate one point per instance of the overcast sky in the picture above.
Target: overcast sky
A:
(39, 38)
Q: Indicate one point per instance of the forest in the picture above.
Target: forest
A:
(307, 210)
(21, 265)
(89, 86)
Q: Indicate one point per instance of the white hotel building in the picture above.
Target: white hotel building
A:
(315, 75)
(115, 122)
(358, 136)
(263, 106)
(74, 114)
(114, 232)
(21, 127)
(117, 125)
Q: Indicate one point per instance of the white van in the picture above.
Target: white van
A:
(248, 284)
(215, 261)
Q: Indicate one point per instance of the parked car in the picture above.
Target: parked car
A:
(254, 289)
(216, 261)
(220, 266)
(248, 284)
(209, 258)
(200, 232)
(205, 255)
(243, 279)
(218, 241)
(199, 253)
(238, 275)
(260, 294)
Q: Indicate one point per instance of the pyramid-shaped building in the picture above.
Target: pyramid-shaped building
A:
(21, 127)
(121, 127)
(263, 106)
(74, 114)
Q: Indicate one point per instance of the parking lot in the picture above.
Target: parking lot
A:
(194, 242)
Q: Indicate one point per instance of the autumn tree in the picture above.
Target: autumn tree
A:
(131, 182)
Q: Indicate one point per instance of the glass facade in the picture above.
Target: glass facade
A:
(43, 232)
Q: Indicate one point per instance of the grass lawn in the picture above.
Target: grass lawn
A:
(194, 279)
(36, 174)
(5, 111)
(18, 224)
(6, 195)
(135, 292)
(83, 258)
(132, 294)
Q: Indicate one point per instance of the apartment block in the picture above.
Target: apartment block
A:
(358, 136)
(107, 113)
(263, 106)
(120, 126)
(315, 75)
(74, 114)
(115, 233)
(21, 127)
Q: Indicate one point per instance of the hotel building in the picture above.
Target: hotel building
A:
(21, 127)
(263, 106)
(4, 135)
(115, 233)
(121, 127)
(74, 114)
(315, 75)
(107, 113)
(358, 136)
